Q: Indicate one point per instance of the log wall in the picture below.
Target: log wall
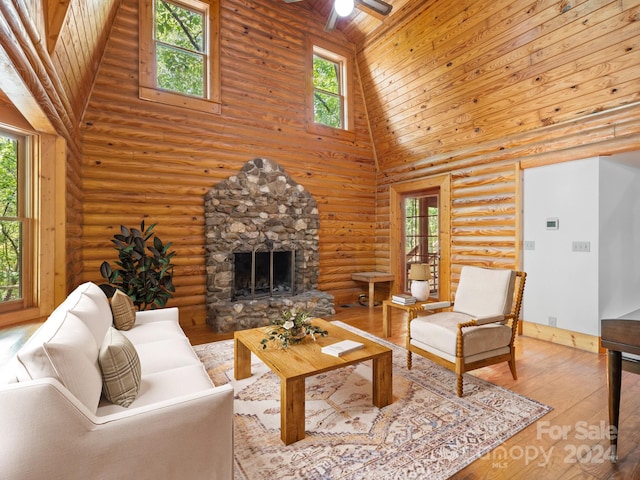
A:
(144, 160)
(480, 89)
(59, 83)
(471, 88)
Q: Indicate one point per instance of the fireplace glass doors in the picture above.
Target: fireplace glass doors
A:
(263, 274)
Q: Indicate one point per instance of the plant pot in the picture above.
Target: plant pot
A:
(297, 335)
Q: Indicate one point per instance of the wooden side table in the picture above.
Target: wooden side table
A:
(372, 278)
(412, 310)
(387, 306)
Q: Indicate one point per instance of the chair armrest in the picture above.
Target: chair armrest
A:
(436, 305)
(489, 319)
(476, 322)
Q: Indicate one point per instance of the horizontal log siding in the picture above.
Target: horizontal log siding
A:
(61, 89)
(143, 160)
(480, 87)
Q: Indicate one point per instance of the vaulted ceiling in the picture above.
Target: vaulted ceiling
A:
(357, 27)
(362, 24)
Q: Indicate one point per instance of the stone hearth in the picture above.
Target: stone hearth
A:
(261, 209)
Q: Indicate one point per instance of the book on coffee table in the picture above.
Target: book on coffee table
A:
(341, 348)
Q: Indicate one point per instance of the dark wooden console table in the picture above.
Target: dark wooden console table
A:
(618, 336)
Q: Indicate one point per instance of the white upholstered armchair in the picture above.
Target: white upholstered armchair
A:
(479, 330)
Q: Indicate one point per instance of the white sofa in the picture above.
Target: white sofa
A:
(56, 424)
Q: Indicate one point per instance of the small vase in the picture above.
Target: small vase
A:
(297, 335)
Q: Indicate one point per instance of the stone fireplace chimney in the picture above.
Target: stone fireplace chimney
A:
(261, 209)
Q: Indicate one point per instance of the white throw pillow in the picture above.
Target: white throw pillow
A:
(94, 310)
(120, 365)
(68, 353)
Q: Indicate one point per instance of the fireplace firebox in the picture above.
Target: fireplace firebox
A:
(263, 274)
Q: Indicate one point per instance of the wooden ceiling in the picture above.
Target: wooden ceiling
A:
(360, 25)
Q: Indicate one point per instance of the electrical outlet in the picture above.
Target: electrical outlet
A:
(553, 321)
(529, 245)
(581, 246)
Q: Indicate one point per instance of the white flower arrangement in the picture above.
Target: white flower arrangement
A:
(291, 327)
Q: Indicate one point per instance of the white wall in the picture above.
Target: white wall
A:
(561, 283)
(596, 200)
(619, 235)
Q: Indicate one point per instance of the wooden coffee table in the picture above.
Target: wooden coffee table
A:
(303, 360)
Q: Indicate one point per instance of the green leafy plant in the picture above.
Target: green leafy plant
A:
(291, 327)
(145, 272)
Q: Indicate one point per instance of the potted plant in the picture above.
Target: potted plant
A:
(145, 272)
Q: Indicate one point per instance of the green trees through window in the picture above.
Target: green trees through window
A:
(180, 49)
(328, 100)
(10, 223)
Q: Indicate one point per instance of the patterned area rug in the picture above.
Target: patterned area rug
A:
(426, 433)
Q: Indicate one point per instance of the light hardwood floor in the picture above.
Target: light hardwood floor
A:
(570, 442)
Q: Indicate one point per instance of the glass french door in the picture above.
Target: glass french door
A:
(420, 235)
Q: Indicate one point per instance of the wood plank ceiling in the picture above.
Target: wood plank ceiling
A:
(361, 25)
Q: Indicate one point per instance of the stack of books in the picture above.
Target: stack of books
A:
(403, 299)
(341, 348)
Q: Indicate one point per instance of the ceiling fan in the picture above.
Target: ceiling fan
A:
(343, 8)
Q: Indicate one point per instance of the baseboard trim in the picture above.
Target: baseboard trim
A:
(581, 341)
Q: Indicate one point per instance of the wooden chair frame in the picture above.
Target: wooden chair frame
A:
(460, 367)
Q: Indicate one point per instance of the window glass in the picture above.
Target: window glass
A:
(10, 222)
(328, 101)
(180, 49)
(421, 234)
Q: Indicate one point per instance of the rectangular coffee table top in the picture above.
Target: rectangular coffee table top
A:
(305, 359)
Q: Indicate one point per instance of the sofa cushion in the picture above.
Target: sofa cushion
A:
(124, 314)
(94, 310)
(120, 367)
(65, 350)
(151, 332)
(166, 355)
(48, 329)
(165, 386)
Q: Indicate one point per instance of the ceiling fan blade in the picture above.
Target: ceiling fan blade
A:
(378, 6)
(331, 21)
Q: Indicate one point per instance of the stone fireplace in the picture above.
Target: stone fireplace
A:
(262, 255)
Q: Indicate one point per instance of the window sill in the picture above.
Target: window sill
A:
(20, 316)
(325, 131)
(177, 100)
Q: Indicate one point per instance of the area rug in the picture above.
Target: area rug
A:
(426, 433)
